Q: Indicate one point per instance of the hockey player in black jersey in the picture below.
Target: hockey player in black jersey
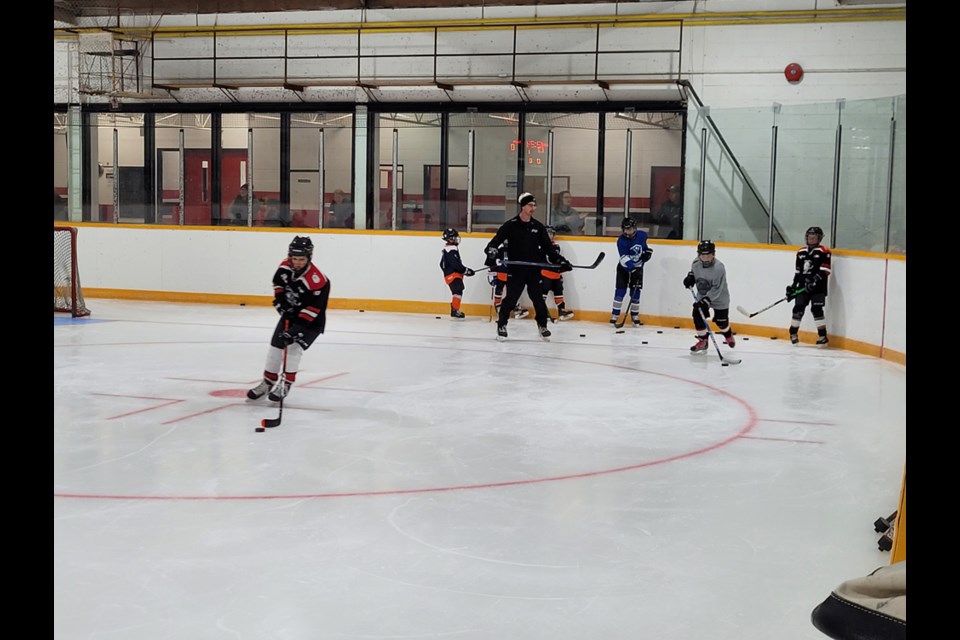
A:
(453, 270)
(526, 240)
(811, 270)
(300, 295)
(552, 282)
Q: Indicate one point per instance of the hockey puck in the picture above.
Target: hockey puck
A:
(621, 331)
(773, 337)
(744, 338)
(659, 331)
(438, 317)
(644, 342)
(361, 310)
(583, 335)
(259, 429)
(243, 304)
(724, 364)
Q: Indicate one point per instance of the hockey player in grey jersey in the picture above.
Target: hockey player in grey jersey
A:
(709, 276)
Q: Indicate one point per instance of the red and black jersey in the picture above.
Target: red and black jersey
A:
(811, 261)
(302, 294)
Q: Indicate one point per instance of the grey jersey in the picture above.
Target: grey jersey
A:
(712, 283)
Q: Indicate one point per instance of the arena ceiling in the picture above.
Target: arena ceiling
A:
(70, 10)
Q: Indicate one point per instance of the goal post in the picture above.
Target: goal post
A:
(67, 293)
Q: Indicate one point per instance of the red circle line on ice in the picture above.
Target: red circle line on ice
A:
(748, 426)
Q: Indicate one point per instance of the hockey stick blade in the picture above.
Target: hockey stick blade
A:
(547, 265)
(770, 306)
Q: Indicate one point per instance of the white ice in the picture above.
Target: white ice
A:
(428, 481)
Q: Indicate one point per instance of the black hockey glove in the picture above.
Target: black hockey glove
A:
(467, 271)
(812, 280)
(564, 265)
(791, 290)
(282, 306)
(646, 255)
(294, 334)
(689, 280)
(492, 252)
(704, 305)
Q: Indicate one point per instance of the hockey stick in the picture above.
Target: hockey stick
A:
(713, 338)
(626, 311)
(750, 315)
(270, 423)
(547, 265)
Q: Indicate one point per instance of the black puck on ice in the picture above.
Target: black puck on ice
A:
(744, 338)
(621, 331)
(438, 317)
(583, 335)
(659, 331)
(243, 304)
(361, 310)
(259, 429)
(773, 337)
(644, 342)
(724, 364)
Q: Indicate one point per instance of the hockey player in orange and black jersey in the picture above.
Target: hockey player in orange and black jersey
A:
(453, 270)
(300, 295)
(497, 278)
(552, 281)
(811, 273)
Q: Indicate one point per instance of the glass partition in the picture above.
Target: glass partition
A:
(120, 192)
(321, 140)
(183, 157)
(250, 169)
(496, 144)
(415, 137)
(566, 145)
(61, 163)
(837, 165)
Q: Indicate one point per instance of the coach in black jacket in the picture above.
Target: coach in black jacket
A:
(524, 238)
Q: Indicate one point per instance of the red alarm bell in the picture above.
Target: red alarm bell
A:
(793, 72)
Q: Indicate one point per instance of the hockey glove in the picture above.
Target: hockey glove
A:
(704, 305)
(812, 280)
(689, 281)
(646, 255)
(791, 290)
(294, 334)
(564, 265)
(492, 252)
(468, 271)
(282, 305)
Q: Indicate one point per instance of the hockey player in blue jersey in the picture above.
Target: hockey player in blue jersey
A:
(634, 253)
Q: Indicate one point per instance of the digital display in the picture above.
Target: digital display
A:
(535, 149)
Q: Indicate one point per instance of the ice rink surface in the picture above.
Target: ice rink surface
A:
(428, 481)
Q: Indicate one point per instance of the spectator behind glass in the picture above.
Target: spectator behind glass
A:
(237, 213)
(274, 215)
(564, 218)
(670, 214)
(341, 211)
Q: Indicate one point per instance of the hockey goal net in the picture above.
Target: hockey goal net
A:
(67, 294)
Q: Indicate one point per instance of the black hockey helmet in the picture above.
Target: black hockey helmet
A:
(814, 231)
(628, 223)
(301, 246)
(706, 247)
(451, 235)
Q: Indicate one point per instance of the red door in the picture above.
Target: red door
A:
(197, 195)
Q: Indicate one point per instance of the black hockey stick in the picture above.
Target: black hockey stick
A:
(270, 423)
(784, 298)
(713, 338)
(629, 300)
(547, 265)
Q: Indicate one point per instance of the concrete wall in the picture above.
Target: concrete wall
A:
(400, 272)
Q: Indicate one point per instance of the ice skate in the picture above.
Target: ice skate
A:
(279, 390)
(700, 346)
(456, 313)
(257, 392)
(794, 338)
(636, 321)
(520, 313)
(501, 333)
(823, 340)
(563, 314)
(729, 339)
(544, 333)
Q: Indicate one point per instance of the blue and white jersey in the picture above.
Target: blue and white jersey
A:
(632, 250)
